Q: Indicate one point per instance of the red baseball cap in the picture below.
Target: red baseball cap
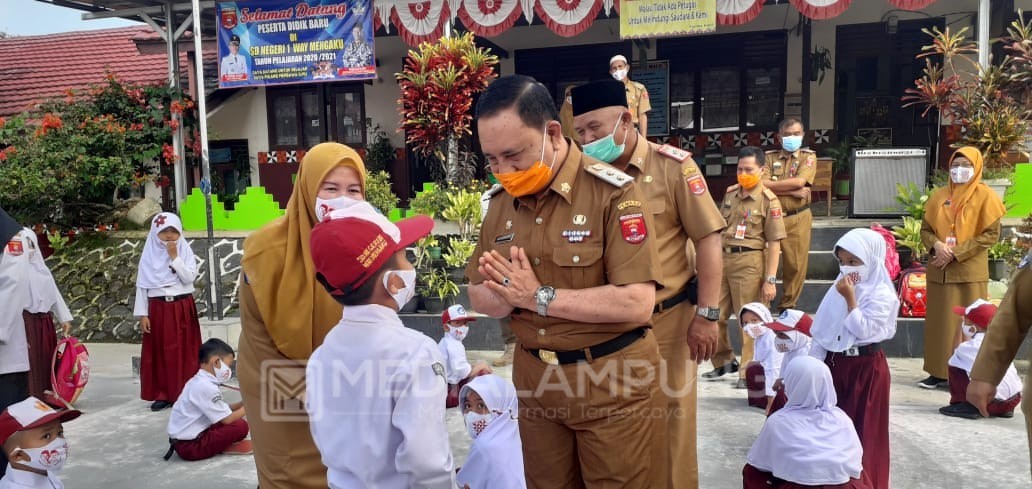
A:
(980, 313)
(456, 313)
(353, 243)
(792, 320)
(31, 413)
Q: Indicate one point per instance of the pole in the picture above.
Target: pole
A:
(983, 33)
(214, 275)
(178, 146)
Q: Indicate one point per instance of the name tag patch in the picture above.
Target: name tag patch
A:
(505, 238)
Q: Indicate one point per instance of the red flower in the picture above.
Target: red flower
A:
(6, 153)
(173, 124)
(168, 153)
(176, 107)
(2, 122)
(162, 181)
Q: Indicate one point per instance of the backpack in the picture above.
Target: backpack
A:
(70, 369)
(913, 293)
(891, 254)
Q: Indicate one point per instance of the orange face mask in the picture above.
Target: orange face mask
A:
(529, 181)
(748, 181)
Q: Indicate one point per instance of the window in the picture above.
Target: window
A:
(306, 115)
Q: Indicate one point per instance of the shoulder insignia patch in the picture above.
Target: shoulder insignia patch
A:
(674, 153)
(609, 174)
(810, 161)
(15, 248)
(494, 190)
(775, 212)
(696, 184)
(731, 189)
(438, 369)
(769, 194)
(217, 399)
(632, 226)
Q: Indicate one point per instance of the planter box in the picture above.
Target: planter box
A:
(999, 185)
(998, 270)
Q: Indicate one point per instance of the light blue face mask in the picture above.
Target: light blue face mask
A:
(606, 149)
(791, 143)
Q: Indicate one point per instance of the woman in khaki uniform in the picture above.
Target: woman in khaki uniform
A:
(961, 222)
(284, 316)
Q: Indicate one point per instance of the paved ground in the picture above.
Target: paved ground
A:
(119, 442)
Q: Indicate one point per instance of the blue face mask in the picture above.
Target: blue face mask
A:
(606, 149)
(791, 143)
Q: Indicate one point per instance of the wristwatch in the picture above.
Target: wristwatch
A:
(710, 313)
(772, 280)
(544, 296)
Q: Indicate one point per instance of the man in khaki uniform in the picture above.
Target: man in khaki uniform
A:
(637, 96)
(1009, 327)
(789, 173)
(684, 212)
(754, 224)
(568, 251)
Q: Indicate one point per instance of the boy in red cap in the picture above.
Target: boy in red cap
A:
(33, 439)
(791, 338)
(976, 320)
(374, 388)
(457, 369)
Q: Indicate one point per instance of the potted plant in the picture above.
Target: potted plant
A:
(458, 255)
(909, 236)
(839, 155)
(999, 254)
(380, 156)
(440, 290)
(431, 201)
(464, 210)
(379, 193)
(423, 253)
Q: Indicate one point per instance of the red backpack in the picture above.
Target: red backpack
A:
(913, 293)
(891, 254)
(70, 369)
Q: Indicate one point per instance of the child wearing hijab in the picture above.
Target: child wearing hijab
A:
(457, 369)
(45, 302)
(489, 407)
(854, 317)
(765, 366)
(977, 318)
(809, 443)
(792, 339)
(167, 313)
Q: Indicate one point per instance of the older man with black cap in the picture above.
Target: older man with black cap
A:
(14, 350)
(682, 209)
(233, 64)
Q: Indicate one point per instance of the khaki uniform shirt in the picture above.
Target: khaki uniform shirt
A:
(675, 193)
(759, 211)
(781, 165)
(581, 232)
(972, 263)
(1009, 327)
(637, 100)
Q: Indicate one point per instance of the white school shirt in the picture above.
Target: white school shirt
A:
(964, 357)
(199, 406)
(14, 289)
(185, 273)
(233, 64)
(44, 295)
(375, 394)
(23, 479)
(456, 365)
(768, 356)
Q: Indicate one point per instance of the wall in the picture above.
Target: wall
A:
(243, 116)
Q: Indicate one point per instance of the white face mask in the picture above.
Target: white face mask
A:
(856, 272)
(969, 330)
(476, 423)
(620, 75)
(223, 373)
(755, 330)
(50, 458)
(961, 174)
(458, 332)
(323, 207)
(404, 295)
(783, 345)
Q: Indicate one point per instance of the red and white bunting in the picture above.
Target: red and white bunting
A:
(489, 18)
(568, 17)
(911, 4)
(737, 12)
(419, 21)
(821, 9)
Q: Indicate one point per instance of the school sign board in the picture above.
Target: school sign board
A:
(656, 78)
(643, 19)
(275, 42)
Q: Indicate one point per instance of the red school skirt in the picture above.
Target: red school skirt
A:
(41, 336)
(170, 350)
(862, 385)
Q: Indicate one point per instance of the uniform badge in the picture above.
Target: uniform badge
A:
(565, 187)
(697, 185)
(15, 248)
(775, 213)
(576, 235)
(217, 399)
(438, 369)
(673, 153)
(633, 228)
(508, 224)
(810, 160)
(647, 179)
(505, 238)
(628, 203)
(580, 219)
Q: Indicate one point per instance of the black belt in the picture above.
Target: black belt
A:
(690, 293)
(797, 211)
(170, 298)
(859, 351)
(738, 249)
(598, 351)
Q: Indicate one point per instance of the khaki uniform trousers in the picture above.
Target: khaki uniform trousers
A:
(795, 256)
(591, 424)
(743, 279)
(677, 380)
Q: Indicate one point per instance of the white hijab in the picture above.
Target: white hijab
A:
(829, 330)
(42, 288)
(810, 441)
(155, 263)
(496, 457)
(759, 309)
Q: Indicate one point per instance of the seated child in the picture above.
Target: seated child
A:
(792, 339)
(457, 370)
(490, 409)
(32, 437)
(765, 366)
(374, 387)
(810, 442)
(976, 320)
(202, 425)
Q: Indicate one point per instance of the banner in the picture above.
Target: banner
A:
(656, 78)
(642, 19)
(273, 42)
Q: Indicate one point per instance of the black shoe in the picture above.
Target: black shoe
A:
(932, 382)
(961, 410)
(159, 405)
(727, 368)
(1008, 414)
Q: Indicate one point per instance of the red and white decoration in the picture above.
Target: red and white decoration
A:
(821, 9)
(737, 12)
(489, 18)
(911, 4)
(568, 17)
(418, 20)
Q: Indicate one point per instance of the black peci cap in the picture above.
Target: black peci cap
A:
(598, 94)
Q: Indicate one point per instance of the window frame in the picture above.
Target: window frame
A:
(326, 92)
